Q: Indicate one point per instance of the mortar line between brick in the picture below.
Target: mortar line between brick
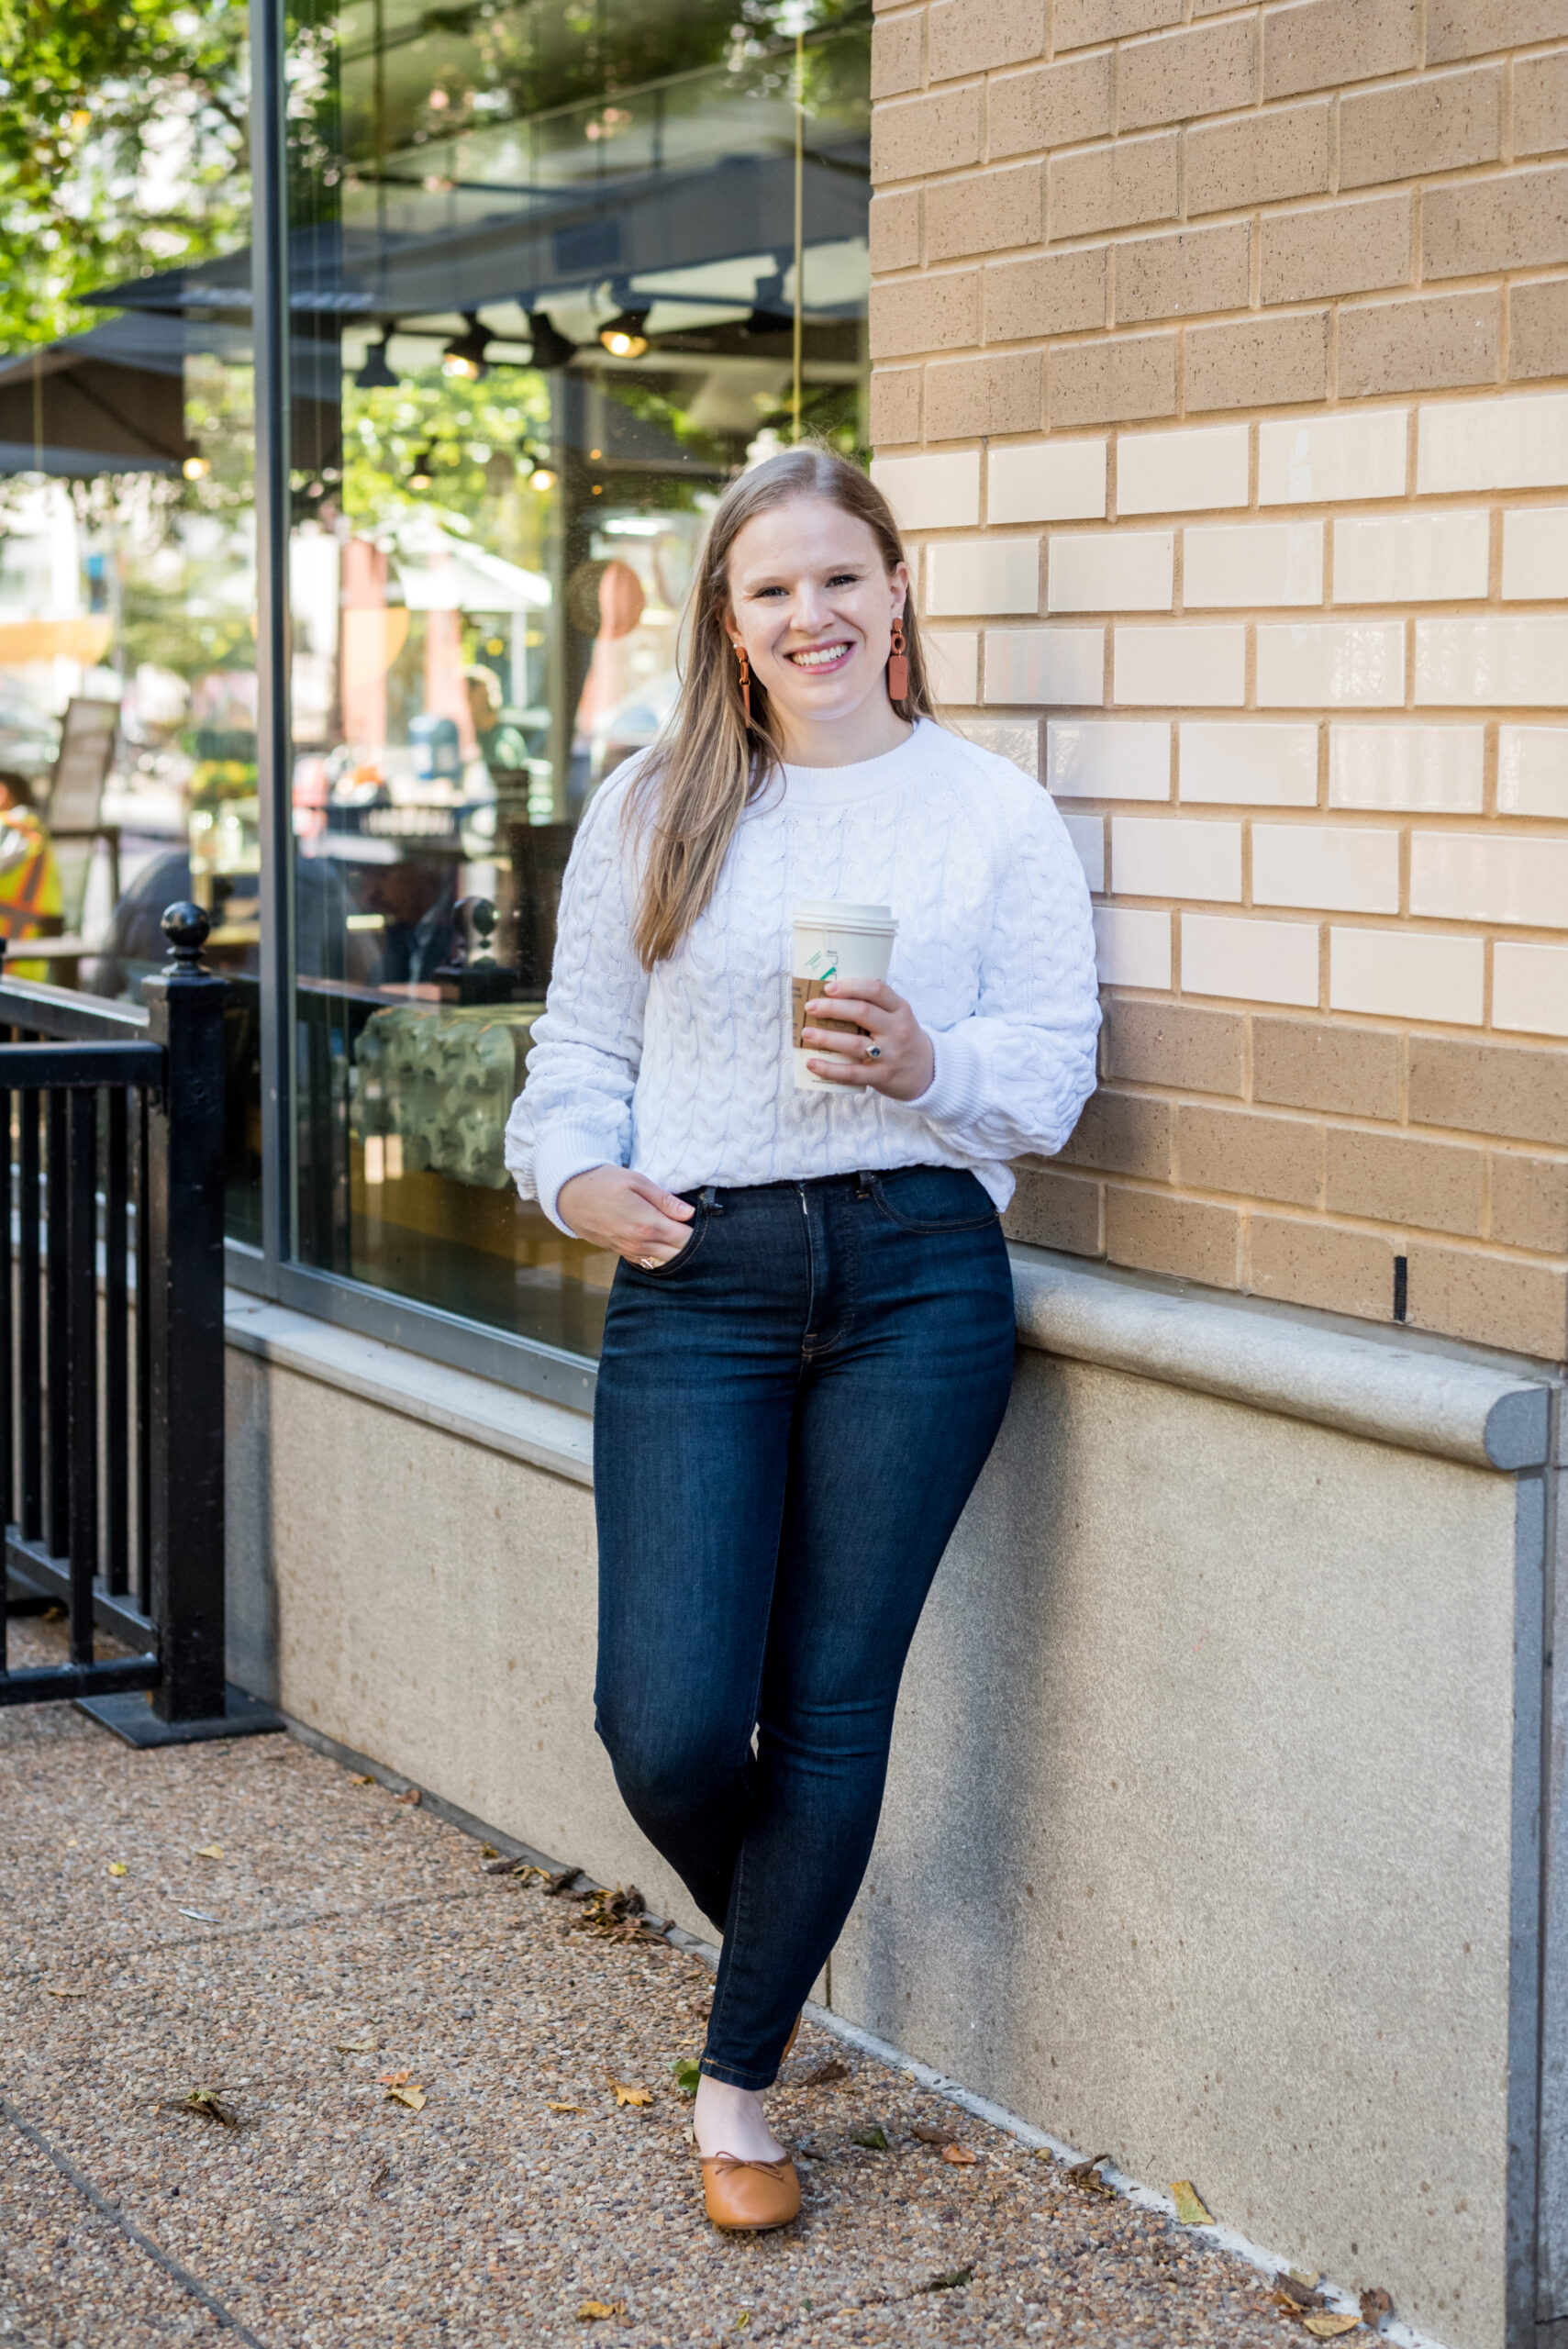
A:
(127, 2227)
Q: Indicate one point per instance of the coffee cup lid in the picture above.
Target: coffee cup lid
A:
(837, 911)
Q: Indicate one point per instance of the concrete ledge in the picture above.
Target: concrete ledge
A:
(544, 1434)
(1424, 1401)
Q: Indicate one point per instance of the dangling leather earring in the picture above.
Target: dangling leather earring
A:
(898, 665)
(745, 681)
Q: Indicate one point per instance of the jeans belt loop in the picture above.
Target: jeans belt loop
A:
(864, 1182)
(710, 1199)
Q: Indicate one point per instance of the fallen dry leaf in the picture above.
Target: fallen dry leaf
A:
(209, 1850)
(552, 2106)
(1331, 2326)
(928, 2136)
(1190, 2206)
(363, 2045)
(822, 2075)
(413, 2095)
(205, 2104)
(393, 2079)
(558, 1885)
(592, 2311)
(410, 1795)
(119, 1867)
(1375, 2306)
(61, 1993)
(627, 2095)
(1087, 2174)
(687, 2072)
(361, 1778)
(1300, 2290)
(873, 2139)
(960, 2157)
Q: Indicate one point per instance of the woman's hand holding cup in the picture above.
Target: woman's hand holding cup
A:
(906, 1060)
(614, 1208)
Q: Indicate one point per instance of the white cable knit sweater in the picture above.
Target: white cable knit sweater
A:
(686, 1073)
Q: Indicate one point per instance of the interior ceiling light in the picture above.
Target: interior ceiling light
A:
(462, 360)
(542, 475)
(552, 348)
(422, 472)
(623, 336)
(377, 374)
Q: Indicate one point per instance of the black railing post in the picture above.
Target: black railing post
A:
(184, 1305)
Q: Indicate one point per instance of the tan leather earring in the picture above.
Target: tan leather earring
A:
(898, 665)
(745, 679)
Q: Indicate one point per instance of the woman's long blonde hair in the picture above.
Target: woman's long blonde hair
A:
(709, 764)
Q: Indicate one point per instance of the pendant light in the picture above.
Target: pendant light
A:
(422, 472)
(377, 374)
(552, 348)
(625, 336)
(541, 473)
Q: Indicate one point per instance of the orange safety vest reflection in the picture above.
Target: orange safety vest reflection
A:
(29, 884)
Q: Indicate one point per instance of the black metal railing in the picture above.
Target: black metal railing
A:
(111, 1330)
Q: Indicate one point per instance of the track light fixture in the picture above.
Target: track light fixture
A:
(625, 336)
(462, 360)
(552, 348)
(541, 473)
(422, 472)
(377, 374)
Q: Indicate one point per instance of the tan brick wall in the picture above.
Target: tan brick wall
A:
(1221, 382)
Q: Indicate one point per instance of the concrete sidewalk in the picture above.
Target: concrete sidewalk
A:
(255, 1922)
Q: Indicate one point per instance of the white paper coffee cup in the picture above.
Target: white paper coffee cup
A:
(833, 939)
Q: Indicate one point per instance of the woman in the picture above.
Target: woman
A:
(809, 1340)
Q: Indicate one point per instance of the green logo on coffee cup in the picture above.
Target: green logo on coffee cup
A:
(823, 965)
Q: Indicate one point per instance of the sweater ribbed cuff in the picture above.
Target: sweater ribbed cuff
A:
(956, 1092)
(566, 1151)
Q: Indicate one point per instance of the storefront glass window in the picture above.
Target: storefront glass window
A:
(556, 272)
(128, 632)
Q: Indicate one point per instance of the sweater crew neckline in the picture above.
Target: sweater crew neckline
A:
(832, 786)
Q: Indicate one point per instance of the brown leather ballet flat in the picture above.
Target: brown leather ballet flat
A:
(746, 2197)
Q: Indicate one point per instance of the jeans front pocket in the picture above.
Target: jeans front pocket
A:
(933, 1198)
(682, 1255)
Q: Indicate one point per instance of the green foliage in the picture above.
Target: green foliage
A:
(122, 149)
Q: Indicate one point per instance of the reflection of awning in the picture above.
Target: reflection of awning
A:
(113, 400)
(543, 243)
(440, 573)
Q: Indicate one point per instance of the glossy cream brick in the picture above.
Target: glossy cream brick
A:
(1234, 565)
(938, 493)
(1014, 739)
(1088, 834)
(1404, 974)
(1412, 558)
(1520, 442)
(1108, 757)
(1111, 571)
(1323, 460)
(1532, 771)
(1309, 665)
(965, 576)
(1522, 661)
(1175, 856)
(1494, 877)
(1254, 962)
(1530, 989)
(1237, 763)
(1195, 668)
(953, 655)
(1048, 480)
(1181, 473)
(1047, 664)
(1535, 553)
(1132, 949)
(1435, 769)
(1344, 868)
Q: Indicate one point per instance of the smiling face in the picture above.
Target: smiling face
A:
(814, 605)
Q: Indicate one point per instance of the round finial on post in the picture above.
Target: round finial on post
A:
(484, 918)
(186, 927)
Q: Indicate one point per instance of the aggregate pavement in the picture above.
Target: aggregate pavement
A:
(253, 1922)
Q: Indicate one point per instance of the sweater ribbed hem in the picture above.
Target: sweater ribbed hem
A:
(957, 1090)
(565, 1150)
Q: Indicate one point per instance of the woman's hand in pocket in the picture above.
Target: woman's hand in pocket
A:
(612, 1207)
(904, 1060)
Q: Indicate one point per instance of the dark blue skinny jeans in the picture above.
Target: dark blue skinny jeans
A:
(791, 1414)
